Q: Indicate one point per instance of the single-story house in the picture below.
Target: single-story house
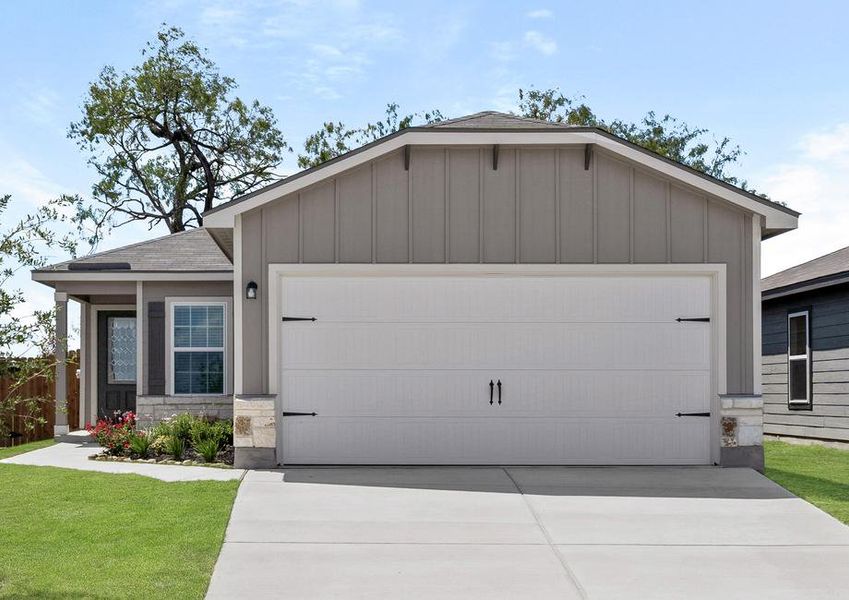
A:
(806, 350)
(486, 290)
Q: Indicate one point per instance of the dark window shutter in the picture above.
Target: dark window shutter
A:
(156, 348)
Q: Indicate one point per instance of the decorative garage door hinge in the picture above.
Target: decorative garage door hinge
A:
(298, 319)
(680, 414)
(299, 414)
(696, 319)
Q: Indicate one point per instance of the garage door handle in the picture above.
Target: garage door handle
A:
(499, 392)
(693, 319)
(491, 391)
(698, 414)
(299, 414)
(285, 319)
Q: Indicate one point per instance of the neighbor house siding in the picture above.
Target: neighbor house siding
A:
(828, 417)
(539, 206)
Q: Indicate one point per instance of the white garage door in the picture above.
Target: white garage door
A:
(406, 370)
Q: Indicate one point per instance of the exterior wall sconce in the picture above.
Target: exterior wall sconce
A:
(250, 291)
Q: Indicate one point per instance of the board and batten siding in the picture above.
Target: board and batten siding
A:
(539, 206)
(828, 417)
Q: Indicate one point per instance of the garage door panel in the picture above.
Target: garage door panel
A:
(495, 299)
(496, 441)
(496, 346)
(593, 370)
(403, 393)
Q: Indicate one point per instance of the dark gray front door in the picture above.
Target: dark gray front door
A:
(116, 362)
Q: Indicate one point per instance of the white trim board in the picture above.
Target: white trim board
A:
(774, 218)
(45, 276)
(716, 273)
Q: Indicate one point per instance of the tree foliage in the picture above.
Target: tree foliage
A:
(334, 138)
(27, 337)
(666, 135)
(169, 139)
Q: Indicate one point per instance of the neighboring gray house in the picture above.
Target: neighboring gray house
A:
(487, 290)
(806, 350)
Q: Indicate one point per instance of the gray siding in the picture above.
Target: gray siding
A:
(540, 206)
(828, 417)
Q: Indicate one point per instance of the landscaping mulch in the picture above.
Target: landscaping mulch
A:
(224, 460)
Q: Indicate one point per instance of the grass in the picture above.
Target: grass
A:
(79, 534)
(12, 451)
(817, 474)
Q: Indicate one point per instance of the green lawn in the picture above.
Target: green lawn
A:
(7, 452)
(817, 474)
(78, 534)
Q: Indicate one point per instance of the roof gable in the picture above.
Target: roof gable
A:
(492, 128)
(491, 119)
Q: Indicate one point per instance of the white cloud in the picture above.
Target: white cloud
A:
(816, 183)
(24, 181)
(503, 51)
(540, 42)
(540, 13)
(831, 146)
(34, 102)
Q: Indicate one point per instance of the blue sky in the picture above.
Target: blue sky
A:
(774, 76)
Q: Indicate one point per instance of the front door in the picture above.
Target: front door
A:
(116, 362)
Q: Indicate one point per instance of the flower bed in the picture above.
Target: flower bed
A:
(183, 439)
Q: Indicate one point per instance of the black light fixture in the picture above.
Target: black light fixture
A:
(250, 291)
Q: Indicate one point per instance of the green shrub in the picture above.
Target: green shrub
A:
(219, 430)
(224, 428)
(158, 442)
(181, 426)
(207, 448)
(140, 443)
(175, 447)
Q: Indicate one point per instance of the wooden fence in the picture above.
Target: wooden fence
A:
(43, 387)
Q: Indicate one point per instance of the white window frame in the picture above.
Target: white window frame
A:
(172, 349)
(791, 358)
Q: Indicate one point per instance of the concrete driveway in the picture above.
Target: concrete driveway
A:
(531, 532)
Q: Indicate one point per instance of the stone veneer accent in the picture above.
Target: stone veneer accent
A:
(152, 409)
(741, 431)
(255, 431)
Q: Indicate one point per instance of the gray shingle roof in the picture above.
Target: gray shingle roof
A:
(824, 267)
(491, 119)
(188, 251)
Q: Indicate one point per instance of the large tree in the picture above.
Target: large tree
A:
(667, 135)
(169, 139)
(26, 335)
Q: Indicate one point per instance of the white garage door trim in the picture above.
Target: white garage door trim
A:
(715, 272)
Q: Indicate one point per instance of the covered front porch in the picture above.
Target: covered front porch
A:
(129, 358)
(155, 329)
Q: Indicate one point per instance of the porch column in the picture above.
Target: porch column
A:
(85, 401)
(60, 424)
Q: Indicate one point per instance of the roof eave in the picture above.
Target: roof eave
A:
(48, 276)
(806, 286)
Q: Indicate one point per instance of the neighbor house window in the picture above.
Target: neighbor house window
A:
(198, 348)
(799, 359)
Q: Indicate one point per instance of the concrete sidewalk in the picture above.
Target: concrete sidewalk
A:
(535, 532)
(69, 455)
